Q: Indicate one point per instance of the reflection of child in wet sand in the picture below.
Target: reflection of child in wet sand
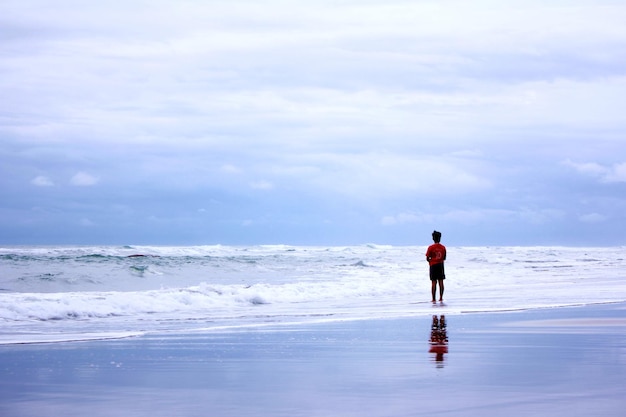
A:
(436, 255)
(438, 338)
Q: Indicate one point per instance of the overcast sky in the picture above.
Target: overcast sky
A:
(313, 122)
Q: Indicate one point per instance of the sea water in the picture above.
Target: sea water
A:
(62, 293)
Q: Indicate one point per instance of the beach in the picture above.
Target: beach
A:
(540, 362)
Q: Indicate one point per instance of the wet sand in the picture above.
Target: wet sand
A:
(565, 361)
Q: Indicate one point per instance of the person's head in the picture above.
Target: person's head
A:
(437, 236)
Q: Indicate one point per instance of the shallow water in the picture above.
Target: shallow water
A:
(513, 364)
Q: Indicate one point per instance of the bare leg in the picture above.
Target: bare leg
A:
(441, 288)
(434, 289)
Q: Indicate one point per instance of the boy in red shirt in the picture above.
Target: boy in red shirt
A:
(435, 255)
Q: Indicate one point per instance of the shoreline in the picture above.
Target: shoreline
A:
(535, 362)
(8, 338)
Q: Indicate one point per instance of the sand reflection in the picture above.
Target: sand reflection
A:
(439, 339)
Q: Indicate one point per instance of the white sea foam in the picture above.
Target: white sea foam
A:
(57, 291)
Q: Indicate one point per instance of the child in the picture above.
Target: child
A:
(436, 255)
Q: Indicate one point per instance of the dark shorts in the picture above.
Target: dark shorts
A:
(437, 272)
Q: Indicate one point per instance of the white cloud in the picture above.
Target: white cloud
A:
(42, 181)
(588, 168)
(617, 173)
(540, 216)
(476, 216)
(605, 173)
(400, 219)
(230, 169)
(86, 222)
(592, 218)
(262, 185)
(377, 176)
(82, 179)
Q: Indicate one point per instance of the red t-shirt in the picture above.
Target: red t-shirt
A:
(436, 254)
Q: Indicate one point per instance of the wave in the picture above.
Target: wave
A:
(107, 288)
(178, 251)
(206, 299)
(84, 305)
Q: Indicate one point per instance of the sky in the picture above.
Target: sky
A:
(313, 122)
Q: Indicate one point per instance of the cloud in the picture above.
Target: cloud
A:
(42, 181)
(617, 173)
(400, 113)
(588, 168)
(86, 222)
(230, 169)
(378, 176)
(605, 173)
(592, 218)
(403, 218)
(262, 185)
(476, 216)
(82, 179)
(539, 216)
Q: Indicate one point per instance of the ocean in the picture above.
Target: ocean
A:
(67, 293)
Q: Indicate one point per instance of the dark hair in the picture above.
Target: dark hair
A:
(436, 236)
